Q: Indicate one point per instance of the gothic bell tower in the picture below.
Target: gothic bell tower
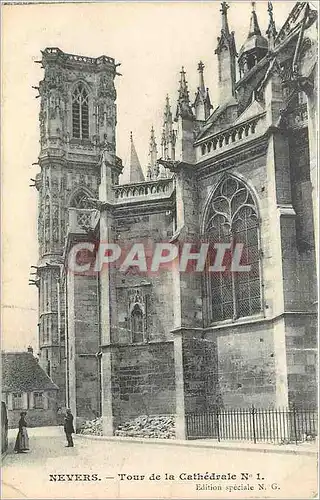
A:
(77, 124)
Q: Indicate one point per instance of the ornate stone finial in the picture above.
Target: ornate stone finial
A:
(183, 89)
(184, 107)
(152, 166)
(224, 7)
(201, 77)
(152, 139)
(271, 31)
(202, 103)
(254, 25)
(200, 67)
(223, 10)
(167, 110)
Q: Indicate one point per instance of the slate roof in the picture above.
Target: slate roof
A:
(21, 372)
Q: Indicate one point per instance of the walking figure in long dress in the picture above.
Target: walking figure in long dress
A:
(22, 441)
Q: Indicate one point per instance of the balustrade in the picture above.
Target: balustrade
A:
(158, 188)
(230, 136)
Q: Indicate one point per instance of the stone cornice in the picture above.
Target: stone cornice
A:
(144, 207)
(113, 345)
(189, 330)
(286, 210)
(137, 285)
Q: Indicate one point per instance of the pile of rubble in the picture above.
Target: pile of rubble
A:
(156, 426)
(93, 427)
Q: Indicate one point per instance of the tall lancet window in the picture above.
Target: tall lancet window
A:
(80, 113)
(233, 218)
(137, 324)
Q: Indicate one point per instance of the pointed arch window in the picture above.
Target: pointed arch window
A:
(233, 218)
(137, 321)
(80, 199)
(80, 113)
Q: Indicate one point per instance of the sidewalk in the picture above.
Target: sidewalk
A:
(306, 448)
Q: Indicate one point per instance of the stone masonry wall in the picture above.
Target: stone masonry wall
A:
(86, 347)
(301, 345)
(246, 367)
(200, 369)
(155, 287)
(143, 380)
(301, 283)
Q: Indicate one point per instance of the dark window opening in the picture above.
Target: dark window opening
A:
(137, 324)
(80, 113)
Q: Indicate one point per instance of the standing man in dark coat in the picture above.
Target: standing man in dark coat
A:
(68, 427)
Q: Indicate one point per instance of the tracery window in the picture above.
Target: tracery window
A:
(137, 324)
(233, 218)
(79, 200)
(80, 113)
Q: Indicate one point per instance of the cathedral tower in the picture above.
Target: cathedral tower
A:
(77, 123)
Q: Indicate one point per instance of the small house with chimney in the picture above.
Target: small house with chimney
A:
(27, 387)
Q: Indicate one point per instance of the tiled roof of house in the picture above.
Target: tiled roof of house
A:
(21, 372)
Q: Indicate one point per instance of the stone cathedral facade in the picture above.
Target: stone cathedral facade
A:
(125, 344)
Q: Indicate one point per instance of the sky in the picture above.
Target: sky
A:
(151, 40)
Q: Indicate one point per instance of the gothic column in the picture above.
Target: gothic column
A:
(279, 257)
(313, 154)
(71, 376)
(186, 285)
(107, 288)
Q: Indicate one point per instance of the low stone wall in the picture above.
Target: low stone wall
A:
(34, 418)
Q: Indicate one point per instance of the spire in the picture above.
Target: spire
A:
(167, 111)
(153, 168)
(271, 31)
(254, 25)
(226, 39)
(201, 78)
(153, 144)
(254, 48)
(168, 134)
(226, 52)
(184, 107)
(224, 16)
(202, 103)
(135, 170)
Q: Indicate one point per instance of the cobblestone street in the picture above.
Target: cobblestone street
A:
(28, 475)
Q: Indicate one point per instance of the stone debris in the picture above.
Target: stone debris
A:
(93, 427)
(154, 426)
